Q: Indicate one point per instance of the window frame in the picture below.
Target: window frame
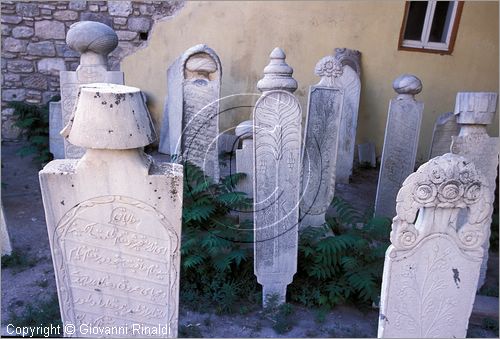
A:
(424, 45)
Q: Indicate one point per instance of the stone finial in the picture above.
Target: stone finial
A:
(277, 74)
(475, 108)
(93, 40)
(407, 86)
(109, 116)
(328, 68)
(244, 129)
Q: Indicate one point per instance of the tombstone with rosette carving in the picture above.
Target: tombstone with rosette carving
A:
(277, 139)
(114, 219)
(432, 267)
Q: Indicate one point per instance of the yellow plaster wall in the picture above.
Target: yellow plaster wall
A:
(243, 33)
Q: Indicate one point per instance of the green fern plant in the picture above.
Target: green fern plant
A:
(216, 250)
(342, 261)
(33, 120)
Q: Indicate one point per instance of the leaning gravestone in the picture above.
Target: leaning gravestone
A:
(244, 163)
(474, 111)
(114, 219)
(277, 140)
(326, 103)
(349, 57)
(191, 118)
(445, 127)
(400, 142)
(4, 235)
(350, 84)
(94, 41)
(431, 269)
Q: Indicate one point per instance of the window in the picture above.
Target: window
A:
(430, 26)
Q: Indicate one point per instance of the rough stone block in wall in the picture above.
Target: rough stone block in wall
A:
(34, 48)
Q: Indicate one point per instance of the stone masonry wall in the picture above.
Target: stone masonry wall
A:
(34, 48)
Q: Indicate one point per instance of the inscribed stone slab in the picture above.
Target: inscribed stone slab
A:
(56, 142)
(445, 127)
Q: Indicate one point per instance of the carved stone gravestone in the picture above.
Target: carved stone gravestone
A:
(4, 235)
(474, 111)
(366, 154)
(349, 83)
(432, 267)
(277, 140)
(319, 159)
(445, 127)
(114, 218)
(349, 57)
(94, 41)
(244, 163)
(191, 118)
(400, 142)
(56, 141)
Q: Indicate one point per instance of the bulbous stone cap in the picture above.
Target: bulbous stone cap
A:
(109, 116)
(277, 74)
(244, 129)
(475, 108)
(91, 36)
(407, 84)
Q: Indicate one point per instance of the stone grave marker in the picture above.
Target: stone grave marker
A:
(56, 141)
(94, 41)
(114, 219)
(244, 163)
(4, 235)
(400, 143)
(349, 57)
(190, 125)
(444, 128)
(474, 112)
(366, 154)
(277, 141)
(350, 84)
(319, 159)
(432, 267)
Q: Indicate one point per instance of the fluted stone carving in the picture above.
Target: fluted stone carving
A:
(277, 141)
(474, 111)
(191, 117)
(432, 267)
(94, 41)
(400, 142)
(114, 219)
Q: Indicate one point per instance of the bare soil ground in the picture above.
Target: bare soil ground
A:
(28, 285)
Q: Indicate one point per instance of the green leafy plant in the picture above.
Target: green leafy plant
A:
(38, 313)
(18, 261)
(342, 261)
(33, 120)
(216, 250)
(281, 315)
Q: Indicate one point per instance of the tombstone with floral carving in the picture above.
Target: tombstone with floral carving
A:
(432, 267)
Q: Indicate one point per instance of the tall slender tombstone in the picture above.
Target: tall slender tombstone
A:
(319, 159)
(244, 162)
(56, 141)
(114, 219)
(94, 41)
(349, 57)
(400, 142)
(432, 267)
(277, 139)
(4, 235)
(190, 125)
(349, 83)
(474, 111)
(445, 128)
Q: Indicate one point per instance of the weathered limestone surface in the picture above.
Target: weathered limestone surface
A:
(326, 103)
(432, 267)
(4, 235)
(114, 218)
(94, 41)
(191, 118)
(56, 141)
(445, 127)
(350, 84)
(400, 142)
(366, 154)
(349, 57)
(474, 111)
(277, 140)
